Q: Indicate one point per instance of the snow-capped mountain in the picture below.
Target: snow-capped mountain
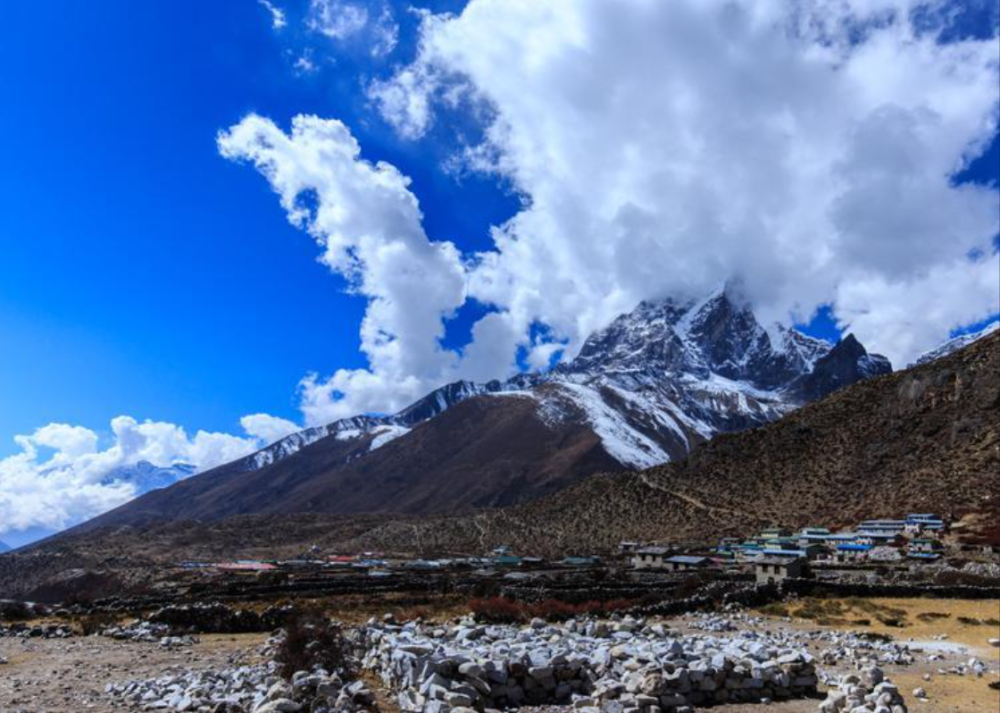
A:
(956, 343)
(146, 477)
(642, 391)
(652, 384)
(4, 547)
(670, 374)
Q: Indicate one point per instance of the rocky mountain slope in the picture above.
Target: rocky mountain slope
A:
(642, 392)
(925, 439)
(953, 345)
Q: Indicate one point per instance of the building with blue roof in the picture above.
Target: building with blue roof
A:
(848, 551)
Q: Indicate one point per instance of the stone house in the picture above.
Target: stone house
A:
(683, 563)
(650, 558)
(852, 552)
(925, 545)
(775, 570)
(628, 547)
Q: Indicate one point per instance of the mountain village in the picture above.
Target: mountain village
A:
(555, 603)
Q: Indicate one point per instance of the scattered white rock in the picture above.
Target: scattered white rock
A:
(584, 663)
(866, 691)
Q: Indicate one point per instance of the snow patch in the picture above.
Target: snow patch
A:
(386, 434)
(622, 442)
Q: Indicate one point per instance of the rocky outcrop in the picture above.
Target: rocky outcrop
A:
(847, 363)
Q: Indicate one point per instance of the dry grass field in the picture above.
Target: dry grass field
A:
(966, 623)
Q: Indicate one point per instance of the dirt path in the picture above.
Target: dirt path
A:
(62, 675)
(714, 509)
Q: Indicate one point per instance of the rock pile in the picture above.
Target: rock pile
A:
(982, 569)
(37, 631)
(232, 689)
(722, 623)
(583, 663)
(867, 691)
(245, 689)
(860, 650)
(137, 631)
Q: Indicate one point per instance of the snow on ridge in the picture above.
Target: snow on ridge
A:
(657, 360)
(954, 344)
(622, 442)
(665, 418)
(694, 310)
(717, 384)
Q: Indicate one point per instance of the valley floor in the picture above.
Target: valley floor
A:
(56, 675)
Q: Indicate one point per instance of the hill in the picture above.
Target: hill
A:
(925, 439)
(644, 391)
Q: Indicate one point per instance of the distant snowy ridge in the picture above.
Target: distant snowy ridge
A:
(652, 384)
(4, 547)
(144, 476)
(954, 344)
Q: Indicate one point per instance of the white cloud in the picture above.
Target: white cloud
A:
(336, 19)
(806, 148)
(304, 64)
(909, 312)
(368, 224)
(385, 34)
(61, 476)
(267, 428)
(278, 20)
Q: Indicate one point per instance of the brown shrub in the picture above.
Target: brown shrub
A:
(309, 640)
(96, 623)
(15, 611)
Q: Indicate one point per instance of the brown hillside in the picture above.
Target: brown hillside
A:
(925, 439)
(487, 451)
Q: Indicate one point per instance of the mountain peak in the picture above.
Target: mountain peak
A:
(718, 334)
(845, 364)
(643, 391)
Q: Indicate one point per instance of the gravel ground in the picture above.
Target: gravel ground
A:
(62, 675)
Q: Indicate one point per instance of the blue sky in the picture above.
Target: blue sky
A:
(144, 274)
(141, 272)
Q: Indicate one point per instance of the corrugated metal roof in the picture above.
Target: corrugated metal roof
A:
(687, 559)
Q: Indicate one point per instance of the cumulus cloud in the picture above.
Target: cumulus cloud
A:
(805, 148)
(368, 224)
(336, 19)
(266, 428)
(278, 20)
(61, 476)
